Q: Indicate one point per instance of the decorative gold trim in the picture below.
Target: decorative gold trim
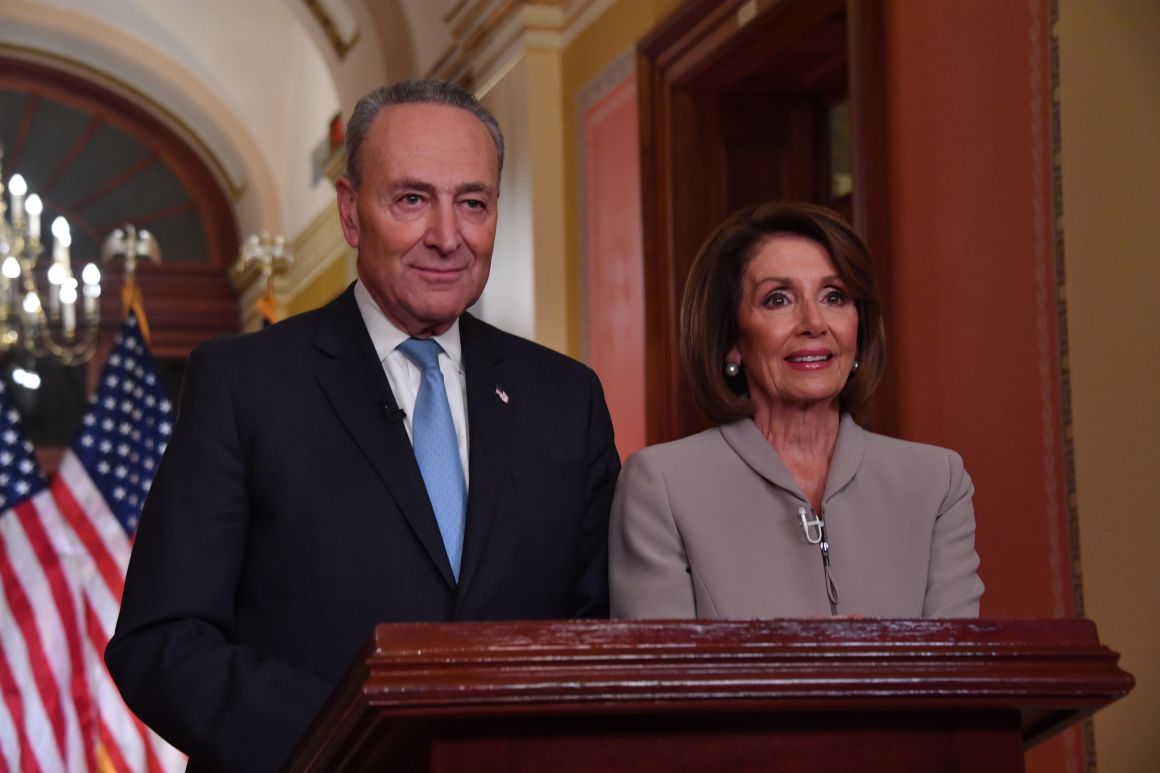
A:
(464, 24)
(447, 17)
(330, 28)
(473, 25)
(1061, 317)
(53, 59)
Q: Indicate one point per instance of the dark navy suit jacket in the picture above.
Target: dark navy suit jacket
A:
(288, 517)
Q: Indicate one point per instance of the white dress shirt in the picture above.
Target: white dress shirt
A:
(404, 376)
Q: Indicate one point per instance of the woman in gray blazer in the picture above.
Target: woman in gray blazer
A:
(789, 508)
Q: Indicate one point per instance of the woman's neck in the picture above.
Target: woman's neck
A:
(804, 436)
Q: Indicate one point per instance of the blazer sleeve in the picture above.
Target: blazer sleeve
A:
(174, 655)
(953, 587)
(649, 575)
(591, 596)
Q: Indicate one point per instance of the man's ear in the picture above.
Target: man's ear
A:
(348, 210)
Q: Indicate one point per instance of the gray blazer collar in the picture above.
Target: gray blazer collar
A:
(748, 443)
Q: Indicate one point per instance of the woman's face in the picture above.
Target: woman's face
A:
(798, 325)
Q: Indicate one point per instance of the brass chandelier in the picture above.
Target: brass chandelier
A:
(44, 310)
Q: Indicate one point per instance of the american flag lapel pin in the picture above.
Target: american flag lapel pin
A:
(502, 395)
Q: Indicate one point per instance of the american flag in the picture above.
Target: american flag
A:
(88, 516)
(45, 715)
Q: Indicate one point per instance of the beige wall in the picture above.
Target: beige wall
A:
(526, 293)
(1110, 102)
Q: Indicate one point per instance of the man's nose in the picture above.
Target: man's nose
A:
(443, 230)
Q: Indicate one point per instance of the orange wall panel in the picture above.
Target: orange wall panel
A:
(613, 259)
(973, 316)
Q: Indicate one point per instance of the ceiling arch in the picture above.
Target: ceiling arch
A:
(102, 161)
(247, 84)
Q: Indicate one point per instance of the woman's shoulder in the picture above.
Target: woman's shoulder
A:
(910, 455)
(687, 449)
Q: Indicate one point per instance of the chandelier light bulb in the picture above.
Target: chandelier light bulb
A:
(60, 228)
(91, 275)
(33, 206)
(17, 186)
(57, 273)
(68, 292)
(32, 303)
(10, 268)
(29, 379)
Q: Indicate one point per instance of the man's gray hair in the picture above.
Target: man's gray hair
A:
(434, 92)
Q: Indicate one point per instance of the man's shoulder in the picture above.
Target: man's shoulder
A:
(522, 351)
(291, 332)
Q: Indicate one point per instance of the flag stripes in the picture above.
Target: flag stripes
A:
(64, 549)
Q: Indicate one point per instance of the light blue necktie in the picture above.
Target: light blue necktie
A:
(437, 449)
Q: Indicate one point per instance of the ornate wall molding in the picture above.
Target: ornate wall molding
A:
(342, 44)
(489, 35)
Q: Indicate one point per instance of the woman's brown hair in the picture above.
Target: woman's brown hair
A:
(713, 293)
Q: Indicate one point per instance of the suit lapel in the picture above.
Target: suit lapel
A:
(357, 388)
(489, 417)
(748, 443)
(847, 458)
(746, 440)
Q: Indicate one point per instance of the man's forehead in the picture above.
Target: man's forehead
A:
(419, 139)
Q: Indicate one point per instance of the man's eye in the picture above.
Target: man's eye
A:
(411, 199)
(475, 204)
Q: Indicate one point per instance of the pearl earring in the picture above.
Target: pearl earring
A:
(732, 369)
(855, 368)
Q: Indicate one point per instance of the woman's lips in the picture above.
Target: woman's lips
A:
(810, 360)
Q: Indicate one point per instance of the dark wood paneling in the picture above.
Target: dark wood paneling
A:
(733, 113)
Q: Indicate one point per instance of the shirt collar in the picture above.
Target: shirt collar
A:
(386, 336)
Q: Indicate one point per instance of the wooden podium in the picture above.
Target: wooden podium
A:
(792, 695)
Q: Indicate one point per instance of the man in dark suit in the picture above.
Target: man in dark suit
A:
(299, 502)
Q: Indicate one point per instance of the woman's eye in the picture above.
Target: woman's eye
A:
(775, 299)
(836, 298)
